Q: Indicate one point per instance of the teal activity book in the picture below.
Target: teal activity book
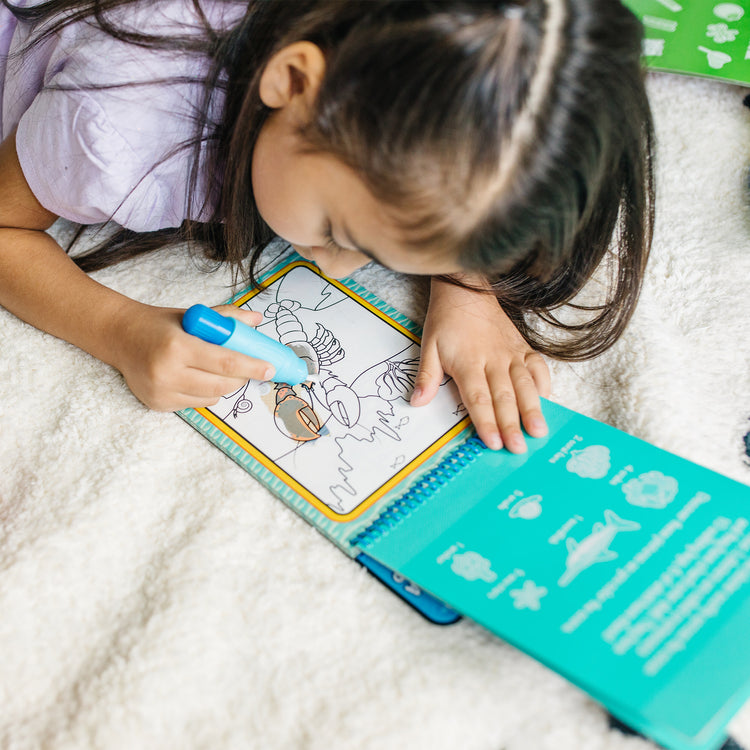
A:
(621, 566)
(696, 37)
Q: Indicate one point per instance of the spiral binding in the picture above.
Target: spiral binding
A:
(452, 465)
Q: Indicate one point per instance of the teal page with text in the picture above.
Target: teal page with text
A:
(619, 565)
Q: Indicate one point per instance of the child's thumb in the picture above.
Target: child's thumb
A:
(428, 379)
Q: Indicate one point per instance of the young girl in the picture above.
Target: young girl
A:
(502, 148)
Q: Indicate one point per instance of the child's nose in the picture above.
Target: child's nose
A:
(337, 264)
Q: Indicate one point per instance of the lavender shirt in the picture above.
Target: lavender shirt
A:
(91, 155)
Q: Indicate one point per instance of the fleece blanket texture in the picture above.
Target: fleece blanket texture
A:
(153, 595)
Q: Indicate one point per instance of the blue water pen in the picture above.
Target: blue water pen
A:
(207, 324)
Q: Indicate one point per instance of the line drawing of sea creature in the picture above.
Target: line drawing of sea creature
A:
(242, 404)
(594, 548)
(291, 333)
(323, 350)
(340, 399)
(398, 379)
(294, 417)
(326, 346)
(391, 378)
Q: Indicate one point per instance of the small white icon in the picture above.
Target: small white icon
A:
(527, 508)
(662, 24)
(651, 490)
(652, 47)
(590, 463)
(716, 60)
(729, 11)
(528, 596)
(409, 586)
(472, 566)
(671, 5)
(721, 33)
(594, 548)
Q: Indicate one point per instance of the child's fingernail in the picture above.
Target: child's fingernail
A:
(517, 444)
(416, 394)
(268, 374)
(494, 441)
(538, 426)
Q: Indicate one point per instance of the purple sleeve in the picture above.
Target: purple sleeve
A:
(104, 137)
(81, 168)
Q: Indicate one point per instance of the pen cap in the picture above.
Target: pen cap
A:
(207, 324)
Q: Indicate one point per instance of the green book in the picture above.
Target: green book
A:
(695, 37)
(617, 564)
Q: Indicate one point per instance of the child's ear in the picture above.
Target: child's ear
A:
(293, 75)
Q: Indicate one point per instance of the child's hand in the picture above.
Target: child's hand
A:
(468, 336)
(168, 369)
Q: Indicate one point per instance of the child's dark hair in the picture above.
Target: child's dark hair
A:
(516, 136)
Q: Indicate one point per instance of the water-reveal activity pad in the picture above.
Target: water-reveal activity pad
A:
(706, 39)
(619, 565)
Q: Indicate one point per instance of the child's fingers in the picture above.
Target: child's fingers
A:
(192, 388)
(536, 365)
(428, 378)
(527, 398)
(506, 411)
(218, 361)
(205, 389)
(479, 399)
(250, 317)
(169, 369)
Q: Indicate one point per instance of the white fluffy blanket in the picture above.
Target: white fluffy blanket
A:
(153, 595)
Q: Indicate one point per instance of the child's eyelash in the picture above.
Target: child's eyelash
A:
(328, 236)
